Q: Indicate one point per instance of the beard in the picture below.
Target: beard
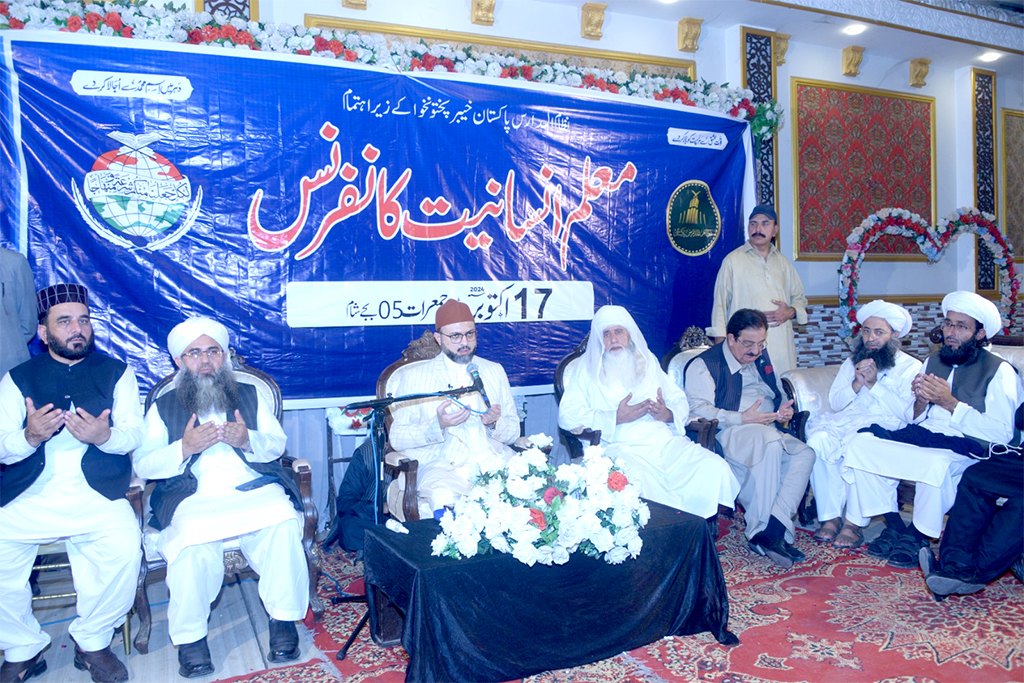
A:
(965, 355)
(64, 350)
(884, 357)
(456, 358)
(203, 394)
(623, 368)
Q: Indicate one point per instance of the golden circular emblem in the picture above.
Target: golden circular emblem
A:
(692, 219)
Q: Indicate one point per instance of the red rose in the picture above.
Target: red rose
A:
(505, 72)
(126, 32)
(527, 72)
(537, 519)
(602, 84)
(335, 46)
(429, 62)
(74, 23)
(92, 20)
(229, 32)
(113, 20)
(551, 494)
(513, 71)
(613, 88)
(195, 36)
(303, 52)
(416, 64)
(617, 481)
(4, 9)
(16, 23)
(245, 38)
(659, 96)
(589, 80)
(320, 44)
(687, 101)
(350, 55)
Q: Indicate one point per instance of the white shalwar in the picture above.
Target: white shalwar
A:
(889, 403)
(875, 466)
(263, 521)
(101, 535)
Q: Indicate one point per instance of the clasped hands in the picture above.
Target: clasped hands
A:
(865, 374)
(42, 423)
(931, 389)
(656, 408)
(457, 417)
(198, 438)
(752, 416)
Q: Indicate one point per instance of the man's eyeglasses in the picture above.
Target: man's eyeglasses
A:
(211, 352)
(959, 327)
(459, 336)
(748, 345)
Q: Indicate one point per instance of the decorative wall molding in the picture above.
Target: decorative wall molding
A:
(250, 9)
(482, 12)
(689, 34)
(353, 4)
(983, 98)
(919, 72)
(852, 57)
(759, 75)
(780, 47)
(592, 20)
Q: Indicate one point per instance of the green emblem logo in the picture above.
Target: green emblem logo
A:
(692, 218)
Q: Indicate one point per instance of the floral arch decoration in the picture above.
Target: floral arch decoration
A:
(933, 242)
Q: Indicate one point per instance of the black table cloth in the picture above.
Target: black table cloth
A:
(492, 618)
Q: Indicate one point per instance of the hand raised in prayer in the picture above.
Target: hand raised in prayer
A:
(490, 418)
(865, 374)
(42, 422)
(658, 410)
(785, 412)
(86, 428)
(235, 434)
(781, 314)
(197, 439)
(752, 416)
(453, 418)
(627, 413)
(935, 390)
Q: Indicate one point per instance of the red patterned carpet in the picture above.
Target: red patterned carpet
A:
(840, 616)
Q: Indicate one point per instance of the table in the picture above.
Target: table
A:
(492, 618)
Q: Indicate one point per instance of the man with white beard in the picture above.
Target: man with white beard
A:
(213, 445)
(871, 387)
(620, 389)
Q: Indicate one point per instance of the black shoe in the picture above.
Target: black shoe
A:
(926, 559)
(794, 552)
(194, 659)
(15, 672)
(906, 551)
(883, 546)
(284, 641)
(103, 665)
(1018, 568)
(773, 550)
(942, 583)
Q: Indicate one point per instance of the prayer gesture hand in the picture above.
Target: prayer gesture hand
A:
(781, 314)
(86, 428)
(865, 374)
(197, 439)
(42, 422)
(447, 419)
(934, 390)
(658, 410)
(235, 434)
(752, 416)
(627, 413)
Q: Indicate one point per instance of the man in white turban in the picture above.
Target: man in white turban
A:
(964, 399)
(871, 387)
(619, 388)
(213, 444)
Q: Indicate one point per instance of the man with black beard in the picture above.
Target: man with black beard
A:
(964, 399)
(69, 419)
(871, 387)
(446, 436)
(213, 444)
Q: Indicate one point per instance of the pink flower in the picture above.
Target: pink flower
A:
(617, 481)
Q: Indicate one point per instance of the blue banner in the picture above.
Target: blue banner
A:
(322, 211)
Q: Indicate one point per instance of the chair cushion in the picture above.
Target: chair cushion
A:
(811, 387)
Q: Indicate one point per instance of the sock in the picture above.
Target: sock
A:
(895, 522)
(775, 529)
(913, 531)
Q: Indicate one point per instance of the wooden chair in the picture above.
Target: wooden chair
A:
(563, 371)
(693, 343)
(234, 560)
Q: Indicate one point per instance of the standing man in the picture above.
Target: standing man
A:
(871, 387)
(213, 443)
(443, 435)
(736, 384)
(964, 399)
(756, 275)
(18, 316)
(69, 419)
(619, 388)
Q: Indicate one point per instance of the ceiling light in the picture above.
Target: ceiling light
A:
(990, 56)
(855, 29)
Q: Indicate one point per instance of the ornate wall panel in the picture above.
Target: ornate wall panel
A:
(759, 76)
(858, 150)
(983, 89)
(1013, 180)
(236, 8)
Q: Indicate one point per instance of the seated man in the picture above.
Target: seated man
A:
(872, 387)
(734, 383)
(620, 389)
(213, 445)
(982, 540)
(964, 398)
(445, 435)
(68, 420)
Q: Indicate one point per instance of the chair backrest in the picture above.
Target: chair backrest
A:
(1013, 352)
(566, 367)
(423, 348)
(809, 387)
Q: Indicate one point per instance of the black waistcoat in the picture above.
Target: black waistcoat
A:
(729, 385)
(970, 383)
(169, 493)
(89, 384)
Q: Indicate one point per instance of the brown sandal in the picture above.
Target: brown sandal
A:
(850, 537)
(828, 531)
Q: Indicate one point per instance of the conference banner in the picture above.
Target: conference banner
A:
(323, 211)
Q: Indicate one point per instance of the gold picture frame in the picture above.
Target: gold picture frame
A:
(1011, 170)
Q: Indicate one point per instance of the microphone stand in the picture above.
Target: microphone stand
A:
(378, 437)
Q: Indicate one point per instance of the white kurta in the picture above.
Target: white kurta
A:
(445, 456)
(875, 466)
(102, 535)
(746, 280)
(889, 403)
(670, 468)
(264, 522)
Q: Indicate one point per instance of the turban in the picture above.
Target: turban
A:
(978, 307)
(897, 316)
(451, 312)
(764, 210)
(610, 316)
(63, 293)
(187, 332)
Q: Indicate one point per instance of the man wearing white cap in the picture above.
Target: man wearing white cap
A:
(964, 399)
(871, 387)
(620, 389)
(213, 444)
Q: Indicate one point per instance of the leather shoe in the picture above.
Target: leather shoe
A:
(194, 659)
(942, 583)
(15, 672)
(905, 552)
(102, 665)
(1018, 568)
(284, 641)
(774, 550)
(794, 552)
(883, 546)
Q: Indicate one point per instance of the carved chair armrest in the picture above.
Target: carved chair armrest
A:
(591, 435)
(302, 472)
(703, 431)
(134, 496)
(798, 424)
(411, 468)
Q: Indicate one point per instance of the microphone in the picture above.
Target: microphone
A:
(478, 383)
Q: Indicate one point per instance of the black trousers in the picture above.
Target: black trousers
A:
(982, 540)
